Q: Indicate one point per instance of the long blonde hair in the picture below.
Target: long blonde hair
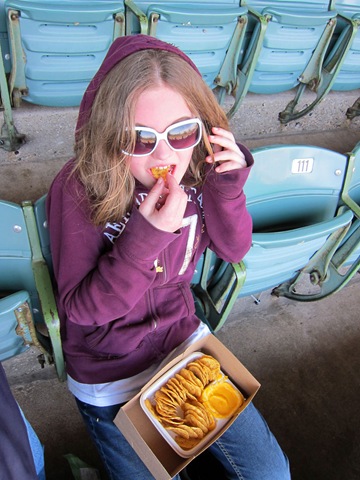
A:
(100, 164)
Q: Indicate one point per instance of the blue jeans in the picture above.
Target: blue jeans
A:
(247, 450)
(36, 448)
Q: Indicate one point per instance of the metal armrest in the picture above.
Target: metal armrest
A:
(45, 290)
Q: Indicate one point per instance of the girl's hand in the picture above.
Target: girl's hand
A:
(226, 152)
(164, 207)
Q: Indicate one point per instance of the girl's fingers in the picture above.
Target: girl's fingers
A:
(165, 207)
(154, 199)
(226, 152)
(225, 142)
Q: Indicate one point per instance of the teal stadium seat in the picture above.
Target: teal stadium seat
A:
(350, 199)
(333, 271)
(15, 254)
(25, 280)
(4, 38)
(209, 32)
(57, 46)
(285, 46)
(292, 195)
(348, 77)
(347, 34)
(10, 139)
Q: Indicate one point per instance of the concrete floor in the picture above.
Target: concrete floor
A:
(305, 355)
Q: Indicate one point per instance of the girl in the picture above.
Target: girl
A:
(157, 177)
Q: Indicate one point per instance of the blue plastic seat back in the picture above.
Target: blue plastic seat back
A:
(292, 195)
(347, 7)
(15, 251)
(293, 186)
(16, 271)
(292, 35)
(202, 30)
(348, 77)
(64, 43)
(298, 6)
(17, 282)
(4, 38)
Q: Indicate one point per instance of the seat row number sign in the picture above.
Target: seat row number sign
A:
(302, 165)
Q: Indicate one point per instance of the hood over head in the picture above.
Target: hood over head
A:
(121, 48)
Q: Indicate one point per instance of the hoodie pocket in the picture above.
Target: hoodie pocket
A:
(171, 303)
(118, 338)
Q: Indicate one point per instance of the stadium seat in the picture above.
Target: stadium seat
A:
(10, 139)
(210, 33)
(23, 269)
(348, 254)
(292, 194)
(324, 273)
(4, 39)
(285, 46)
(347, 33)
(216, 286)
(56, 47)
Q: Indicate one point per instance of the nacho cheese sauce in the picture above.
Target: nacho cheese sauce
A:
(222, 399)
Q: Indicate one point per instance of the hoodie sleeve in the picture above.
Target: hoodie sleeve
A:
(227, 220)
(96, 285)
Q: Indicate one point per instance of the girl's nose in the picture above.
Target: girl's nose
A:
(162, 150)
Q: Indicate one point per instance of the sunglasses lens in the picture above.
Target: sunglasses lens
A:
(184, 136)
(180, 137)
(145, 142)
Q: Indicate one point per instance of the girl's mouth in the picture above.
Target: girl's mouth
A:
(158, 172)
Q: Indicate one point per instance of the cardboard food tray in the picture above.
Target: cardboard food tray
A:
(156, 453)
(169, 436)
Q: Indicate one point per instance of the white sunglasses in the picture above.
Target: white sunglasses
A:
(179, 136)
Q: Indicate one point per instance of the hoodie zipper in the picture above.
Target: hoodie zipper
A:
(159, 265)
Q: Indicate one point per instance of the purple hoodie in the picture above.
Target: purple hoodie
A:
(124, 294)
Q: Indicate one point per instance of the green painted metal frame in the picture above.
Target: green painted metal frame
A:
(132, 9)
(227, 80)
(322, 270)
(10, 139)
(245, 72)
(320, 74)
(26, 328)
(354, 110)
(45, 290)
(217, 300)
(17, 80)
